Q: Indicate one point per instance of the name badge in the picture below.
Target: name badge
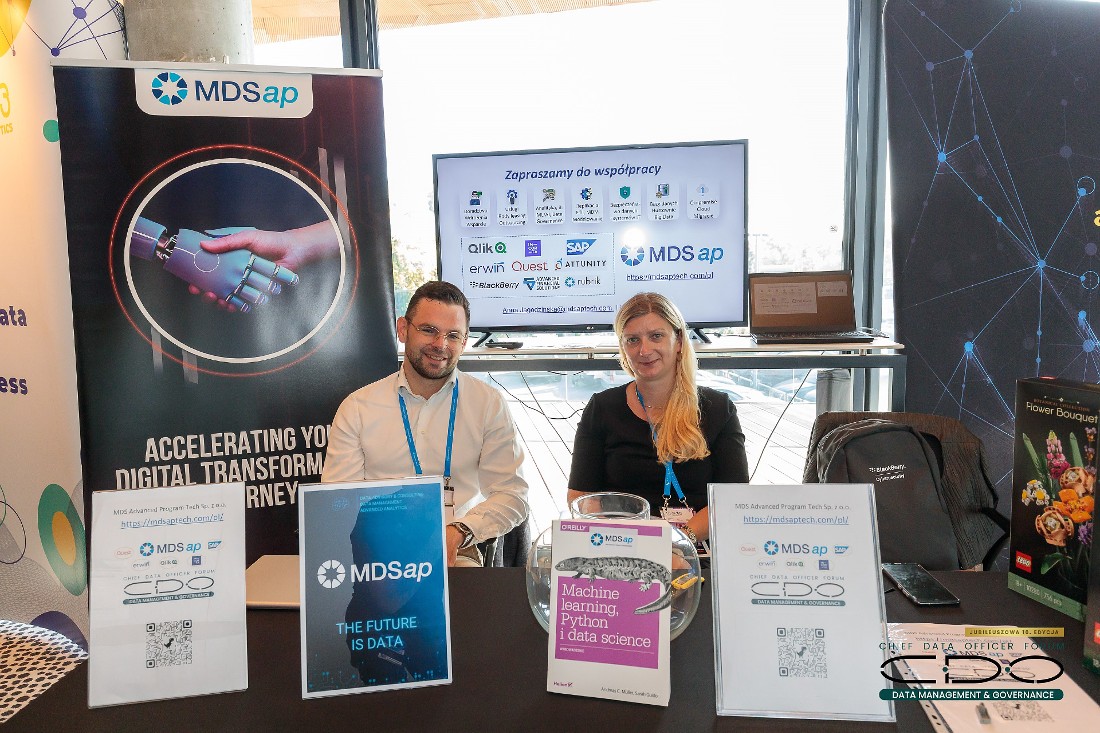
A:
(677, 515)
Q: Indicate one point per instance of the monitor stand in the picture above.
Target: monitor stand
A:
(701, 336)
(484, 337)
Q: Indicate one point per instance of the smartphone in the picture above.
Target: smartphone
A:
(918, 585)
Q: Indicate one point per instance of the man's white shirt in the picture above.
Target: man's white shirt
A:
(367, 442)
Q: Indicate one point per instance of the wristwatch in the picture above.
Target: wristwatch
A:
(467, 535)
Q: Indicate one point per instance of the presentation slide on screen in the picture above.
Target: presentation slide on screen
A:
(560, 238)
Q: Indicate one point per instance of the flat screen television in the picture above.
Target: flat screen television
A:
(559, 239)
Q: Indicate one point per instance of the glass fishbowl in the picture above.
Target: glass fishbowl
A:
(686, 570)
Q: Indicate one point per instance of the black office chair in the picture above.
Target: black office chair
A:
(509, 550)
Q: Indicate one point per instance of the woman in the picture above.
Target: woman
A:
(660, 430)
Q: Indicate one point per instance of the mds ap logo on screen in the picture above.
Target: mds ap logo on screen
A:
(187, 92)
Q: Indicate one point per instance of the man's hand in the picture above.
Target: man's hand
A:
(454, 538)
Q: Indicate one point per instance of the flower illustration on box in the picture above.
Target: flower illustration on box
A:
(1065, 490)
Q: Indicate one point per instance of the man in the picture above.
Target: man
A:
(400, 425)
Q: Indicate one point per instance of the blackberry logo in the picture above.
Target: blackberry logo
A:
(146, 549)
(596, 539)
(331, 573)
(632, 254)
(169, 88)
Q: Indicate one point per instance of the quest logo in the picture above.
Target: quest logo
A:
(210, 93)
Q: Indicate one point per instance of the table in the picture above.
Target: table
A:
(500, 676)
(725, 352)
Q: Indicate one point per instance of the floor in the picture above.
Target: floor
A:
(547, 422)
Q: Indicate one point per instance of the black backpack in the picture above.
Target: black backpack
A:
(913, 522)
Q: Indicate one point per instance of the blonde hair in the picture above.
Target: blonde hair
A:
(680, 437)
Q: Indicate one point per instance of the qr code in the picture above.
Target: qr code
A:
(168, 643)
(801, 652)
(1028, 710)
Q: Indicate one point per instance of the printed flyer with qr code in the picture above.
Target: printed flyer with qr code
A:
(796, 590)
(167, 594)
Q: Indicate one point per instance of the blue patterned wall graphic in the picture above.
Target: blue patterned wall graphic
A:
(994, 158)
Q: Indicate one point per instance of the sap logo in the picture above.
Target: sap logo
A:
(1023, 561)
(225, 90)
(840, 549)
(674, 253)
(213, 544)
(578, 246)
(487, 269)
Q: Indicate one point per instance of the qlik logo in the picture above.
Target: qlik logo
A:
(169, 88)
(146, 549)
(331, 573)
(771, 547)
(632, 254)
(596, 539)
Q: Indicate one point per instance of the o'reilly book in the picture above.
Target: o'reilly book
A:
(610, 595)
(1054, 485)
(374, 608)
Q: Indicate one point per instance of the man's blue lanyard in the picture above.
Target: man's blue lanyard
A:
(671, 482)
(450, 435)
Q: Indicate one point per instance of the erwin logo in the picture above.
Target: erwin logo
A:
(169, 88)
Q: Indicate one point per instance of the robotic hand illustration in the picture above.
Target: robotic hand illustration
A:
(239, 277)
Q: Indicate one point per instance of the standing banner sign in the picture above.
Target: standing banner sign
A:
(374, 601)
(799, 617)
(231, 276)
(167, 594)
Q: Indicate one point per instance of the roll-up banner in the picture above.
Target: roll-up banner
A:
(229, 249)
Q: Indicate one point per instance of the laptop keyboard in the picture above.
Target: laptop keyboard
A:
(811, 337)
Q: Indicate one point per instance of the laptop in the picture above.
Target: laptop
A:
(272, 582)
(803, 308)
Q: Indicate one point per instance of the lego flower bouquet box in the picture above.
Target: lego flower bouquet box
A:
(1053, 485)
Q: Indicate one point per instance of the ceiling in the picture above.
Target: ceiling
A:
(287, 20)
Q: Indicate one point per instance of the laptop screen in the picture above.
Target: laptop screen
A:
(801, 301)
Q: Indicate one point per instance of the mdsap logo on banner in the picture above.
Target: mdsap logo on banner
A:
(186, 92)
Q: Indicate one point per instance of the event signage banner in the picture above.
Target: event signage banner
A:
(231, 277)
(43, 574)
(167, 594)
(799, 618)
(374, 602)
(610, 599)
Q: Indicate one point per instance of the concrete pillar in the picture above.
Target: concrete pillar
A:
(201, 31)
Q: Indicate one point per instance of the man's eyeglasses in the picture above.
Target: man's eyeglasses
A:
(454, 338)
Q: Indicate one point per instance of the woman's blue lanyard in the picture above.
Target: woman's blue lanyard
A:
(671, 482)
(450, 436)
